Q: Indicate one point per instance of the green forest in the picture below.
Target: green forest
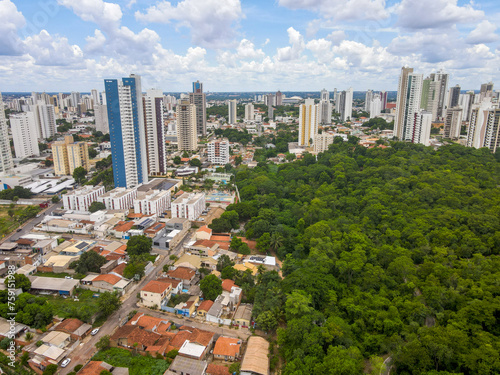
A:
(388, 254)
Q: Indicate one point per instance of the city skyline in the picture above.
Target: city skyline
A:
(291, 45)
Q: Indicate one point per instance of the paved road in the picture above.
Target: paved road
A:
(87, 349)
(28, 226)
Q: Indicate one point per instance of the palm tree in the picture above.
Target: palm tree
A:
(276, 241)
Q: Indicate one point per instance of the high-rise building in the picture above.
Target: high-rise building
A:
(198, 98)
(383, 100)
(344, 104)
(155, 132)
(231, 111)
(101, 118)
(308, 121)
(6, 163)
(483, 129)
(23, 128)
(454, 96)
(375, 106)
(69, 155)
(270, 110)
(249, 112)
(407, 104)
(218, 151)
(368, 100)
(279, 98)
(75, 99)
(486, 90)
(126, 129)
(453, 122)
(325, 112)
(466, 102)
(96, 100)
(433, 95)
(421, 127)
(186, 126)
(45, 119)
(325, 95)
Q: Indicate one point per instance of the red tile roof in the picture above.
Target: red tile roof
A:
(69, 325)
(183, 273)
(110, 279)
(169, 280)
(155, 286)
(213, 369)
(205, 229)
(227, 284)
(205, 305)
(120, 268)
(227, 346)
(124, 226)
(92, 368)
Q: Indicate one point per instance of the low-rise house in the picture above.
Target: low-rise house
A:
(256, 360)
(193, 342)
(243, 315)
(227, 348)
(203, 233)
(53, 285)
(150, 323)
(184, 365)
(75, 328)
(57, 339)
(177, 285)
(133, 337)
(156, 294)
(184, 274)
(97, 367)
(204, 308)
(106, 283)
(187, 308)
(213, 369)
(215, 311)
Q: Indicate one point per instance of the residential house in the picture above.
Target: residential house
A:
(177, 285)
(75, 328)
(204, 308)
(227, 348)
(187, 308)
(243, 315)
(156, 293)
(97, 367)
(184, 365)
(184, 274)
(203, 233)
(214, 313)
(213, 369)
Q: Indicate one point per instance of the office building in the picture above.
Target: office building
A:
(454, 97)
(231, 111)
(6, 163)
(119, 198)
(186, 126)
(344, 104)
(155, 132)
(198, 98)
(101, 118)
(23, 128)
(152, 202)
(81, 199)
(188, 206)
(218, 151)
(68, 155)
(249, 112)
(126, 129)
(308, 122)
(453, 123)
(408, 104)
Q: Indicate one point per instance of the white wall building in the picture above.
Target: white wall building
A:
(6, 163)
(119, 198)
(101, 118)
(322, 141)
(152, 202)
(375, 106)
(308, 121)
(218, 151)
(422, 127)
(189, 206)
(408, 104)
(155, 132)
(249, 112)
(232, 111)
(343, 104)
(45, 117)
(81, 199)
(453, 123)
(23, 128)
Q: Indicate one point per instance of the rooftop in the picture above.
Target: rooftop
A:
(155, 286)
(255, 359)
(183, 273)
(109, 278)
(227, 346)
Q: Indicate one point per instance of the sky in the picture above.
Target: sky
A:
(245, 45)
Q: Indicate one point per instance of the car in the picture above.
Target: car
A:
(193, 314)
(68, 277)
(18, 230)
(65, 362)
(38, 215)
(94, 331)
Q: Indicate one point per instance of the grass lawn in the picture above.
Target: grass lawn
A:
(9, 224)
(137, 364)
(83, 309)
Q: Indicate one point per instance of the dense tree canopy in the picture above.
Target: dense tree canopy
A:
(387, 251)
(139, 245)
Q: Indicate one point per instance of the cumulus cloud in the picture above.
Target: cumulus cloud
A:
(485, 32)
(294, 51)
(428, 14)
(106, 15)
(211, 21)
(11, 20)
(341, 9)
(50, 50)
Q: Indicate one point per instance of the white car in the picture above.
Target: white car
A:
(94, 331)
(65, 362)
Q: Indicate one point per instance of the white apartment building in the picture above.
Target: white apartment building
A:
(408, 104)
(152, 202)
(453, 123)
(249, 112)
(81, 199)
(101, 118)
(155, 132)
(23, 127)
(375, 106)
(6, 163)
(218, 151)
(308, 121)
(45, 118)
(343, 104)
(484, 126)
(119, 198)
(232, 108)
(322, 141)
(189, 206)
(422, 127)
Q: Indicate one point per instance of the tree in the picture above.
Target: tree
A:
(139, 245)
(79, 174)
(223, 262)
(93, 153)
(133, 269)
(89, 261)
(103, 343)
(20, 281)
(50, 369)
(235, 368)
(11, 212)
(55, 199)
(211, 286)
(263, 242)
(108, 303)
(267, 321)
(195, 162)
(48, 163)
(275, 241)
(177, 160)
(238, 160)
(96, 206)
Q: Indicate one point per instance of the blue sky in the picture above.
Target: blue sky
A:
(241, 45)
